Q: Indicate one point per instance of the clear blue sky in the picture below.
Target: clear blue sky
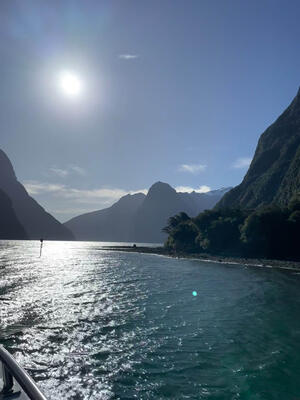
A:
(177, 91)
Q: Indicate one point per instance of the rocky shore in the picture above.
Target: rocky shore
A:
(255, 262)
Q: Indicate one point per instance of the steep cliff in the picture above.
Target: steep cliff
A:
(10, 227)
(34, 219)
(274, 174)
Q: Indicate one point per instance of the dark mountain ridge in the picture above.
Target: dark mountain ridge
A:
(10, 227)
(274, 174)
(34, 219)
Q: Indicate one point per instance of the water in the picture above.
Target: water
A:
(94, 324)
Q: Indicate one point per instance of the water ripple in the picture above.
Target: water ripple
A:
(91, 324)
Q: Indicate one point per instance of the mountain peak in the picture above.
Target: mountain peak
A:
(6, 168)
(32, 217)
(160, 188)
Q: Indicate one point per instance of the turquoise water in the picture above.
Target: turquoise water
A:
(94, 324)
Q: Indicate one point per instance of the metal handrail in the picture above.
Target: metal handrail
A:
(13, 370)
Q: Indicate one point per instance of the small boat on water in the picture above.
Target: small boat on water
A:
(15, 383)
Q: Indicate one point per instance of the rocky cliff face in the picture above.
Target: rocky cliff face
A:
(274, 174)
(34, 219)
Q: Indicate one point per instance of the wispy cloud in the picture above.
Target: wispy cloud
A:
(62, 173)
(70, 169)
(242, 162)
(34, 187)
(128, 56)
(192, 168)
(78, 170)
(144, 191)
(189, 189)
(64, 201)
(90, 196)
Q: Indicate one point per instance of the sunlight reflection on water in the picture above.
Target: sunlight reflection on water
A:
(94, 324)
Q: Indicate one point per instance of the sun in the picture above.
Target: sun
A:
(70, 84)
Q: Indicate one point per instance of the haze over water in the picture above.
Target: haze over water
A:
(94, 324)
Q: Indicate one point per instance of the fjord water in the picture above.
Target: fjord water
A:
(95, 324)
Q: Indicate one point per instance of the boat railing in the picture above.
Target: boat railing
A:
(11, 372)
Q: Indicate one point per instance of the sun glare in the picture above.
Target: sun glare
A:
(70, 84)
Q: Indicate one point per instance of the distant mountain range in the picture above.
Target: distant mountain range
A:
(274, 174)
(110, 224)
(136, 217)
(139, 217)
(27, 218)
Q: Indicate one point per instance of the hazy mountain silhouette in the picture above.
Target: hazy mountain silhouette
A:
(205, 201)
(274, 174)
(10, 227)
(110, 224)
(161, 202)
(34, 219)
(140, 218)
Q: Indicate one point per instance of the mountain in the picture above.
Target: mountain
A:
(111, 224)
(203, 201)
(161, 202)
(10, 227)
(34, 219)
(140, 218)
(274, 174)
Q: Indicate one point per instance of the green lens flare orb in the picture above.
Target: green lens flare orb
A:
(195, 293)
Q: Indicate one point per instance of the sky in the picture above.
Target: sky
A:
(174, 90)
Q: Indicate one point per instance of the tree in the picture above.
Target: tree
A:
(174, 221)
(183, 237)
(222, 235)
(269, 231)
(294, 235)
(294, 204)
(265, 233)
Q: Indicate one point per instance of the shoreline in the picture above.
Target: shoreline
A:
(252, 262)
